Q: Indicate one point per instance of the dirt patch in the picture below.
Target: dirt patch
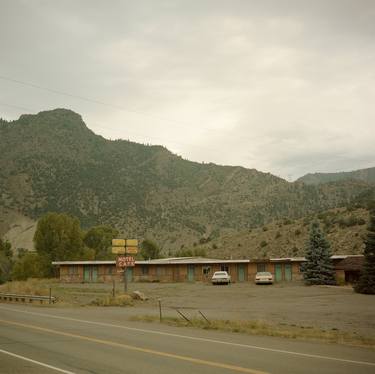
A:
(293, 304)
(333, 309)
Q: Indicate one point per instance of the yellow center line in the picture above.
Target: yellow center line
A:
(138, 349)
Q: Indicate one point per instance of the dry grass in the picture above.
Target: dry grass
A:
(119, 300)
(37, 287)
(267, 329)
(73, 295)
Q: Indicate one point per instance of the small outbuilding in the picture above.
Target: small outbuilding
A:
(348, 268)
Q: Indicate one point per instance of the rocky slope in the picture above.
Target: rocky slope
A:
(52, 162)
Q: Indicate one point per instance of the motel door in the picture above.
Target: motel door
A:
(288, 272)
(129, 274)
(90, 274)
(191, 272)
(86, 274)
(94, 274)
(278, 273)
(241, 272)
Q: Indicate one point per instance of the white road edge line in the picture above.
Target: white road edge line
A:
(194, 338)
(37, 362)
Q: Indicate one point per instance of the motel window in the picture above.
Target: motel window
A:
(206, 270)
(224, 268)
(73, 270)
(144, 270)
(261, 267)
(160, 271)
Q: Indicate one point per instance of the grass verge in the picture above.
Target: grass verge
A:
(37, 287)
(267, 329)
(118, 300)
(66, 294)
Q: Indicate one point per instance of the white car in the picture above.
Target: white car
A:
(263, 277)
(220, 277)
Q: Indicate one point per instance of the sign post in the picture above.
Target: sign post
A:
(123, 248)
(125, 280)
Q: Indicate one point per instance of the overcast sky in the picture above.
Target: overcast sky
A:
(286, 87)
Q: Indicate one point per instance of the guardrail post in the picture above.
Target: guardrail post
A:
(160, 315)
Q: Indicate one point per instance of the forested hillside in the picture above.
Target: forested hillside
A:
(52, 162)
(365, 175)
(345, 229)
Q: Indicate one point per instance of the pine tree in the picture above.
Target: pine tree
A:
(366, 283)
(318, 268)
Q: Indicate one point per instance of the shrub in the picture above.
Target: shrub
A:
(31, 265)
(120, 300)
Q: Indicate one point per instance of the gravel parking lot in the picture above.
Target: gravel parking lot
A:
(290, 303)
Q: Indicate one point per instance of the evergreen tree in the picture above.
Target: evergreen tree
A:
(318, 268)
(366, 282)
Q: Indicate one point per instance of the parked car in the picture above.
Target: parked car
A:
(220, 277)
(263, 277)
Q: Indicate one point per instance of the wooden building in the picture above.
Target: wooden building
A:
(179, 269)
(191, 269)
(348, 268)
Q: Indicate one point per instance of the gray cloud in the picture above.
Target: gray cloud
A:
(281, 86)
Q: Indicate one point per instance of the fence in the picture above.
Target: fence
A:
(27, 298)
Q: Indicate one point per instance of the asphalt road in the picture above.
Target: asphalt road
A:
(98, 340)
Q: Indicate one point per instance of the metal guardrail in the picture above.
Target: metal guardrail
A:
(24, 298)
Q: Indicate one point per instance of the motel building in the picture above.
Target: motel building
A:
(192, 269)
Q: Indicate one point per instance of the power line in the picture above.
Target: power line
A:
(16, 106)
(94, 101)
(106, 127)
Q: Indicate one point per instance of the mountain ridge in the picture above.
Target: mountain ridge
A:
(52, 161)
(366, 175)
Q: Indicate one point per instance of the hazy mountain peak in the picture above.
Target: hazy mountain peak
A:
(366, 175)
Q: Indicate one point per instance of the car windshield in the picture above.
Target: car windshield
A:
(221, 273)
(264, 273)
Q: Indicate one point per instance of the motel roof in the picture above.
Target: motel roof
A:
(158, 261)
(203, 260)
(83, 262)
(189, 260)
(354, 263)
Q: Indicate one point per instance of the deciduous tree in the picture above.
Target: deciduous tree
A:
(150, 249)
(100, 238)
(5, 260)
(31, 265)
(59, 237)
